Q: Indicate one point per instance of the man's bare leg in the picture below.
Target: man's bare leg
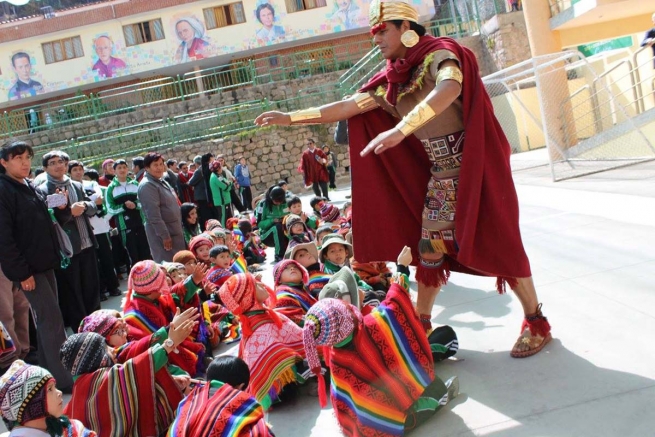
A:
(536, 330)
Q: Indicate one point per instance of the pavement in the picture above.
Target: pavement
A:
(591, 244)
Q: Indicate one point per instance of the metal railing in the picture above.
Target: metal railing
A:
(613, 96)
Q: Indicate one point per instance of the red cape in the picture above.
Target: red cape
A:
(389, 189)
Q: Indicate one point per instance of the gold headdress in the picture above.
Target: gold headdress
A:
(380, 12)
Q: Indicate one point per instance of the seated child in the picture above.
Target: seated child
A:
(271, 345)
(220, 407)
(346, 220)
(306, 255)
(293, 298)
(287, 192)
(295, 207)
(224, 263)
(31, 405)
(252, 249)
(371, 370)
(149, 306)
(136, 398)
(296, 230)
(330, 215)
(114, 330)
(200, 246)
(317, 203)
(334, 254)
(321, 233)
(212, 224)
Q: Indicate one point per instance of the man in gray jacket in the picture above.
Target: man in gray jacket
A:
(78, 284)
(161, 207)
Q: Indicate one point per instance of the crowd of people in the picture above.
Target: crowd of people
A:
(335, 309)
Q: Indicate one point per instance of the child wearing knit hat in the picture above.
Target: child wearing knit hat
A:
(271, 345)
(200, 246)
(293, 298)
(296, 230)
(330, 215)
(30, 404)
(381, 364)
(150, 306)
(306, 254)
(295, 207)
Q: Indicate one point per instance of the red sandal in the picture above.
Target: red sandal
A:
(535, 332)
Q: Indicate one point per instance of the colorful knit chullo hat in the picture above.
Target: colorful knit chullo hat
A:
(282, 265)
(84, 353)
(328, 322)
(184, 256)
(239, 295)
(101, 322)
(23, 395)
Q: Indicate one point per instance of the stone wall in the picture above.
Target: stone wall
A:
(272, 154)
(506, 39)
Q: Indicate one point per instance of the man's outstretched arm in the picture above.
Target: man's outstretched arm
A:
(330, 113)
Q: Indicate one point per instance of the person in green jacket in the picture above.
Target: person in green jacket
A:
(269, 214)
(221, 187)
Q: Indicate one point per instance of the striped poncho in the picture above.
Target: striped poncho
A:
(271, 352)
(225, 412)
(144, 317)
(384, 369)
(293, 302)
(125, 400)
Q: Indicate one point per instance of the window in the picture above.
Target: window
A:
(303, 5)
(62, 50)
(147, 31)
(225, 15)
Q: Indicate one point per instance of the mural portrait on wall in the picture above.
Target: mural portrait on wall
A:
(106, 65)
(24, 86)
(265, 14)
(348, 15)
(194, 44)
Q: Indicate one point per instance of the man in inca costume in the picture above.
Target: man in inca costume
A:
(429, 112)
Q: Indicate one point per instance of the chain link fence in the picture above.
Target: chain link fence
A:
(589, 122)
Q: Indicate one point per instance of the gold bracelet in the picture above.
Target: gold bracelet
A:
(450, 73)
(416, 118)
(364, 101)
(305, 115)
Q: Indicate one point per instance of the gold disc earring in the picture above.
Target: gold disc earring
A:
(409, 38)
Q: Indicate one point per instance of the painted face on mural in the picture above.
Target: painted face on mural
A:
(103, 48)
(266, 17)
(185, 32)
(343, 4)
(23, 68)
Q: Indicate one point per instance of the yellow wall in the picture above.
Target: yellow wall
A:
(158, 54)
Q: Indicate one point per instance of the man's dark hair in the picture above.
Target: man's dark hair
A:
(311, 140)
(420, 30)
(293, 201)
(74, 163)
(261, 7)
(92, 174)
(12, 148)
(38, 171)
(316, 200)
(150, 158)
(54, 154)
(170, 162)
(182, 164)
(122, 162)
(217, 250)
(282, 183)
(230, 370)
(137, 162)
(18, 56)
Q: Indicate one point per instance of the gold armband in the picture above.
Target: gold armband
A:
(364, 101)
(450, 73)
(305, 115)
(416, 118)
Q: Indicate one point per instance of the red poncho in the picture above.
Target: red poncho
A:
(311, 168)
(389, 189)
(125, 400)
